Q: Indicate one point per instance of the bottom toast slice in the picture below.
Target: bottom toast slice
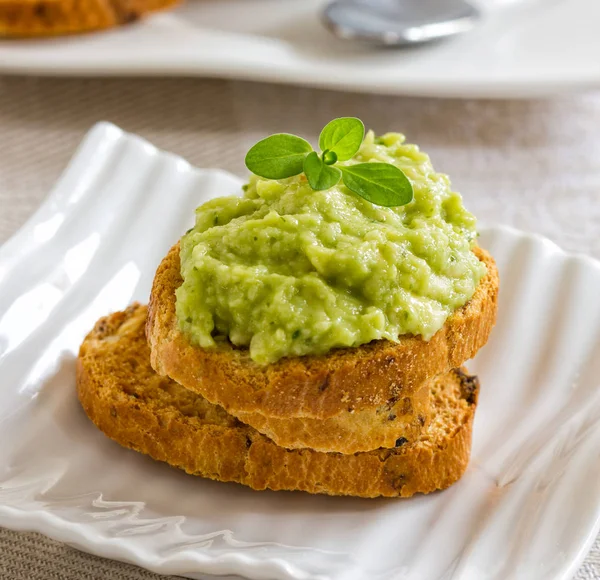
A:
(133, 405)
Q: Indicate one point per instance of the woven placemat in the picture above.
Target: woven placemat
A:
(531, 164)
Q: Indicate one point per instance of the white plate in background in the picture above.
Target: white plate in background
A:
(527, 509)
(522, 48)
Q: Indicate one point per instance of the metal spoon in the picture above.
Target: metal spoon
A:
(399, 22)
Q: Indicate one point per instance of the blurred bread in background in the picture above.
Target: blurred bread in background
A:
(34, 18)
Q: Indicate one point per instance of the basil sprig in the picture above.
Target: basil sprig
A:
(283, 155)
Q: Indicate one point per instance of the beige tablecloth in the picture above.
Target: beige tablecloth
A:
(535, 165)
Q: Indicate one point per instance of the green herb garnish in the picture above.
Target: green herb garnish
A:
(379, 183)
(342, 136)
(283, 155)
(278, 156)
(320, 174)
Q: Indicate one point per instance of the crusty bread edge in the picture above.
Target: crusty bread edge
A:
(349, 433)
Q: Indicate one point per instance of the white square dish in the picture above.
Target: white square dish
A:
(528, 507)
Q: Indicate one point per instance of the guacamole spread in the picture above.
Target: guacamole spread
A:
(286, 271)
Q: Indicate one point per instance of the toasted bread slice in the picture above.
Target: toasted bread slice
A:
(350, 432)
(32, 18)
(318, 387)
(139, 409)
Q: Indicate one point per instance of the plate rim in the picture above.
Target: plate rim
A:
(498, 90)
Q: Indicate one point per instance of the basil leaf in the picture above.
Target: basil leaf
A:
(278, 156)
(319, 175)
(380, 183)
(342, 136)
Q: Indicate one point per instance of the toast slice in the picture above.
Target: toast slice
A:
(350, 432)
(286, 397)
(139, 409)
(33, 18)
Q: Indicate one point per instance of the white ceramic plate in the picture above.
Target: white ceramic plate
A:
(528, 507)
(521, 48)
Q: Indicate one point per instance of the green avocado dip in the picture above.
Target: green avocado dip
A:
(287, 271)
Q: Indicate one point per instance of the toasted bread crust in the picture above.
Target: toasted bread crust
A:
(32, 18)
(317, 387)
(350, 432)
(131, 404)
